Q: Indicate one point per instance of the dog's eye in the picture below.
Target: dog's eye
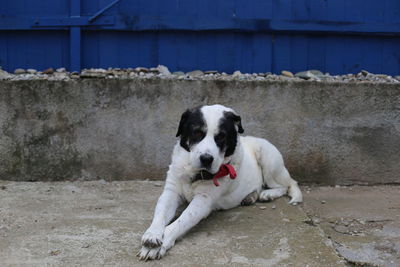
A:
(198, 134)
(220, 137)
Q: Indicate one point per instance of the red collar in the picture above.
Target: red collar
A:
(224, 170)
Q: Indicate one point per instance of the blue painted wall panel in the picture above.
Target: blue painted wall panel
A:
(4, 50)
(25, 8)
(39, 50)
(391, 56)
(335, 36)
(298, 51)
(119, 49)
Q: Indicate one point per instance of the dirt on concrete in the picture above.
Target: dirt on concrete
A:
(362, 221)
(100, 223)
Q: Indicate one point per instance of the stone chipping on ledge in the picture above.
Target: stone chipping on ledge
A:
(162, 72)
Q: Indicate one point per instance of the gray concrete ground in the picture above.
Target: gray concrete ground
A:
(362, 221)
(100, 223)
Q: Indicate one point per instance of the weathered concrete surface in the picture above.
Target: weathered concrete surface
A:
(119, 129)
(363, 222)
(97, 223)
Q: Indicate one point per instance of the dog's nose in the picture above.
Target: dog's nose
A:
(206, 160)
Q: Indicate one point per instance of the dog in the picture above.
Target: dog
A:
(210, 139)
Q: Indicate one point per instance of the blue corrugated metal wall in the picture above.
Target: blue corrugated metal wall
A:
(336, 36)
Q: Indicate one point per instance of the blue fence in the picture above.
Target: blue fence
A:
(336, 36)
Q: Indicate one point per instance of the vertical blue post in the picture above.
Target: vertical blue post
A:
(75, 38)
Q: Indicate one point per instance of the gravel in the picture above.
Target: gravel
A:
(19, 71)
(48, 71)
(195, 73)
(162, 72)
(287, 73)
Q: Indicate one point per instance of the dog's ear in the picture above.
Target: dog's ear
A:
(236, 119)
(182, 125)
(238, 122)
(183, 121)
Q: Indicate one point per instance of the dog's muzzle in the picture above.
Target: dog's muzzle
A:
(203, 175)
(224, 170)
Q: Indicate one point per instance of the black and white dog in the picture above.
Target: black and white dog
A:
(209, 139)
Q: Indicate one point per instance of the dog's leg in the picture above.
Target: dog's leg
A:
(250, 199)
(294, 192)
(163, 214)
(198, 209)
(275, 175)
(280, 185)
(271, 194)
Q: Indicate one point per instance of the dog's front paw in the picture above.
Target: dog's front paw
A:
(152, 238)
(146, 253)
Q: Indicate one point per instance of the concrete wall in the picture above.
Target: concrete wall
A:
(329, 133)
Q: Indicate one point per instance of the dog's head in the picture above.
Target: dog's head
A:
(209, 134)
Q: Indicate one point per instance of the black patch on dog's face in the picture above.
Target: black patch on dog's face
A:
(191, 128)
(226, 138)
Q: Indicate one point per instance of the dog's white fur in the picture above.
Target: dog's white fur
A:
(257, 163)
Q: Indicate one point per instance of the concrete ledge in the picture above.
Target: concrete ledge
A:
(117, 129)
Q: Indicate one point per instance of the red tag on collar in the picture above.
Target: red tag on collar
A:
(224, 170)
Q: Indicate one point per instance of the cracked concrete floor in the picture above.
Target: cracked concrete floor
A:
(362, 221)
(100, 223)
